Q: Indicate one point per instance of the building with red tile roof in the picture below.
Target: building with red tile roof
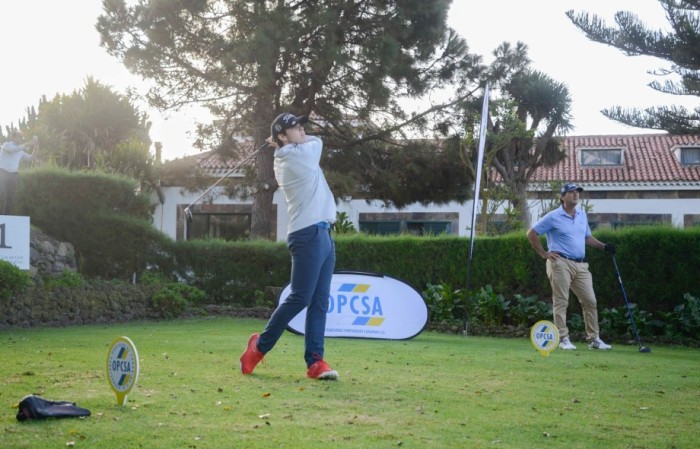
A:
(647, 159)
(619, 171)
(627, 180)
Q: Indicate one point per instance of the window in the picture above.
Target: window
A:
(601, 157)
(414, 223)
(218, 221)
(380, 227)
(428, 227)
(414, 227)
(219, 226)
(690, 156)
(623, 224)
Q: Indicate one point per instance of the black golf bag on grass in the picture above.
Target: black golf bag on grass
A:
(34, 407)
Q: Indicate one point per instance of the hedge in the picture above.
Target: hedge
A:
(658, 265)
(104, 216)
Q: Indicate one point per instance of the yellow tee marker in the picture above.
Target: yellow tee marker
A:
(544, 337)
(122, 367)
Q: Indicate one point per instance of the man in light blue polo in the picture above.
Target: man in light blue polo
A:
(568, 234)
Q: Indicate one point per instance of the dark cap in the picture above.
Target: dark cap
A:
(286, 121)
(569, 187)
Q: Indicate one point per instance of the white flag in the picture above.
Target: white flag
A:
(479, 165)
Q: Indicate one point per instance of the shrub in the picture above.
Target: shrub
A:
(444, 303)
(526, 311)
(151, 277)
(684, 321)
(616, 322)
(343, 225)
(100, 214)
(12, 280)
(230, 272)
(490, 308)
(575, 323)
(173, 299)
(67, 278)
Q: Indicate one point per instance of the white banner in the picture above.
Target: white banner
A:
(479, 166)
(369, 305)
(477, 190)
(14, 240)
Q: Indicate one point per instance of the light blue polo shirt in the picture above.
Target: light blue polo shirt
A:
(565, 234)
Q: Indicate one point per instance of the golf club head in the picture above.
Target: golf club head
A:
(644, 349)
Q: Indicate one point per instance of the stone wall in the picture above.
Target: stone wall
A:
(88, 304)
(48, 257)
(44, 304)
(94, 302)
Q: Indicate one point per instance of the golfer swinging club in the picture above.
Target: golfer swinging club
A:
(568, 234)
(311, 208)
(12, 153)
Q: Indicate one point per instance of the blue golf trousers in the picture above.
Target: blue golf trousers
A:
(313, 262)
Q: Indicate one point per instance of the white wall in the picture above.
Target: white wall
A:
(165, 215)
(355, 207)
(676, 207)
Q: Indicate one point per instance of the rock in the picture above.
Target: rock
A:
(49, 257)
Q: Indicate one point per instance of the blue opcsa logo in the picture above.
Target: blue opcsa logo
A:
(544, 336)
(367, 310)
(357, 288)
(368, 305)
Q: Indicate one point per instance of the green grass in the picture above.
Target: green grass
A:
(436, 391)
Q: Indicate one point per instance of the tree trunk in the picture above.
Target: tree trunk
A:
(265, 186)
(521, 205)
(265, 183)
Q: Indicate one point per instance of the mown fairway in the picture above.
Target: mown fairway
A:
(433, 391)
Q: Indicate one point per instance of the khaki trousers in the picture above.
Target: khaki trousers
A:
(565, 275)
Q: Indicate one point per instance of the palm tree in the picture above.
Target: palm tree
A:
(532, 111)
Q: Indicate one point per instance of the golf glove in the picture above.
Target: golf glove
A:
(610, 248)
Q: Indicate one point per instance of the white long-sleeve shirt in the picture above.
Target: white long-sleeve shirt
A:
(299, 175)
(11, 155)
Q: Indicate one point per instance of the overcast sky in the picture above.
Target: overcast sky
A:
(50, 47)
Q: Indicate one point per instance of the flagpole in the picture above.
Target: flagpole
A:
(477, 189)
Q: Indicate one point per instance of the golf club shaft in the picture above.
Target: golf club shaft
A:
(624, 294)
(226, 175)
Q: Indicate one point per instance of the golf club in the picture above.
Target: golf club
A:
(188, 211)
(642, 348)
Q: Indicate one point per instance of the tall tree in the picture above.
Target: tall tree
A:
(349, 63)
(680, 47)
(525, 119)
(92, 128)
(414, 171)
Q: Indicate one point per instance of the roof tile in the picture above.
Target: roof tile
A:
(647, 158)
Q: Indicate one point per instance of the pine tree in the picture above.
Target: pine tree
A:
(350, 63)
(680, 47)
